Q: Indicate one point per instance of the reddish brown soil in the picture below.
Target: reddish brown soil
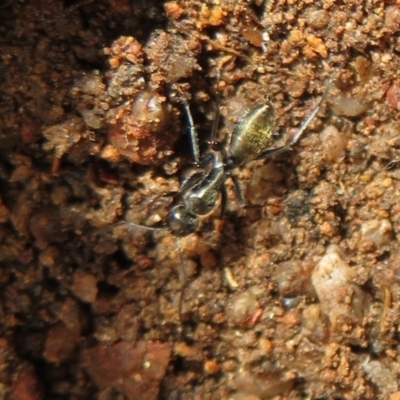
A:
(297, 300)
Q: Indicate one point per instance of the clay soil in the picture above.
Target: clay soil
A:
(297, 299)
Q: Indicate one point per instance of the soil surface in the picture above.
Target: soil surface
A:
(296, 299)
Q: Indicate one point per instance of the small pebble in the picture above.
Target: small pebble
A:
(85, 286)
(211, 367)
(348, 106)
(241, 308)
(377, 231)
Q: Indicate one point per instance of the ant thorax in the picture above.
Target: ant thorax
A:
(198, 195)
(203, 197)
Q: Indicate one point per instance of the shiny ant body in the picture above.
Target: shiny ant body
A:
(199, 194)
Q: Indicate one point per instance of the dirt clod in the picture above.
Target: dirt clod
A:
(297, 296)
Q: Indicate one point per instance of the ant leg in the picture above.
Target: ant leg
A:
(145, 227)
(215, 126)
(273, 152)
(193, 135)
(184, 285)
(239, 195)
(214, 130)
(224, 201)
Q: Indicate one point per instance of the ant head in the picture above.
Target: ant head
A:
(181, 222)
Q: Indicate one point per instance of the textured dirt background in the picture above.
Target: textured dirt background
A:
(299, 300)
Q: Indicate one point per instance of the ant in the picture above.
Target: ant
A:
(199, 194)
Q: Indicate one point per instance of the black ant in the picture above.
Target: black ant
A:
(199, 194)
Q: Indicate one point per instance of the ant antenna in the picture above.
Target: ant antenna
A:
(193, 135)
(184, 280)
(182, 273)
(145, 227)
(217, 116)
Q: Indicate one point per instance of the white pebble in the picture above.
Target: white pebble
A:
(377, 231)
(332, 280)
(348, 106)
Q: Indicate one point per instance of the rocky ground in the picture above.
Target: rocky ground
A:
(298, 299)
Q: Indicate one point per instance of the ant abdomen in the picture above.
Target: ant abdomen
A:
(253, 134)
